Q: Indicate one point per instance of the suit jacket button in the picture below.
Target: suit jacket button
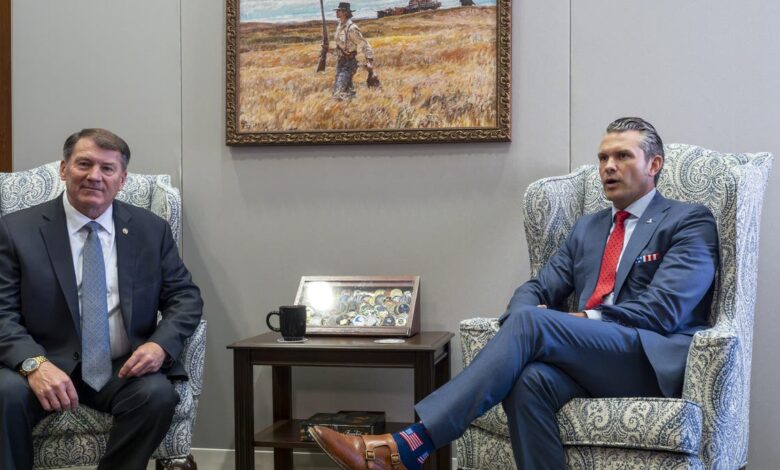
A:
(76, 356)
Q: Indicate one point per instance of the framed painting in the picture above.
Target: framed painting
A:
(367, 71)
(361, 305)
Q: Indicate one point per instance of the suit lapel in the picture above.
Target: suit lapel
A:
(643, 231)
(57, 240)
(595, 243)
(125, 252)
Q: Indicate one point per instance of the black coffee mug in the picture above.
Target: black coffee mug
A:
(292, 322)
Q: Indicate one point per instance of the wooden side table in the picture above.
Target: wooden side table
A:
(428, 353)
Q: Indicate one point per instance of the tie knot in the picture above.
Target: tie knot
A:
(621, 217)
(92, 226)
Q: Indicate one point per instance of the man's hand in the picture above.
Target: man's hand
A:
(147, 359)
(574, 314)
(53, 388)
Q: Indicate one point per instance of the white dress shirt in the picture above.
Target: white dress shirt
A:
(350, 39)
(120, 343)
(636, 209)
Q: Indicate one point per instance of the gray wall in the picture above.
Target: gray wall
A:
(256, 219)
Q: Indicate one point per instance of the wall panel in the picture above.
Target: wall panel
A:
(97, 63)
(5, 86)
(259, 218)
(703, 72)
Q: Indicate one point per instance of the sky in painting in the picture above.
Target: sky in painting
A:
(281, 11)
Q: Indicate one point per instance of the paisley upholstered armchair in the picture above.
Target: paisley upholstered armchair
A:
(708, 426)
(78, 438)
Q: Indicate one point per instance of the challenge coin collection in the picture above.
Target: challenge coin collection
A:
(357, 308)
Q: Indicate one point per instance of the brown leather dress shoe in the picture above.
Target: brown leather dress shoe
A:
(359, 452)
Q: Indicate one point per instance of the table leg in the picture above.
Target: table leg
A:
(244, 409)
(442, 376)
(424, 379)
(282, 410)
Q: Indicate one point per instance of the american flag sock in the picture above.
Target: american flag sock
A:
(414, 445)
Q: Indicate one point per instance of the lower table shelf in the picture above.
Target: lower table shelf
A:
(286, 434)
(427, 354)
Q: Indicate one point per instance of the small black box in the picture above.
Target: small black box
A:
(347, 422)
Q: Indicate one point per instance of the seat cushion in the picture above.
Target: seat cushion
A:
(479, 449)
(78, 438)
(613, 458)
(668, 424)
(82, 420)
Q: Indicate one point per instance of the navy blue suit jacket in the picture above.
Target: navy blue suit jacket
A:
(663, 285)
(39, 308)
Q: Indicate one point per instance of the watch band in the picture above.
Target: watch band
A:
(32, 364)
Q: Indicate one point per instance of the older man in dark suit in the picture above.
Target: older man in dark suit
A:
(82, 278)
(642, 274)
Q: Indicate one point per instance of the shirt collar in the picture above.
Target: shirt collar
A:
(76, 220)
(638, 207)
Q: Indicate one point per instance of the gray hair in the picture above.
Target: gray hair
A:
(103, 138)
(651, 142)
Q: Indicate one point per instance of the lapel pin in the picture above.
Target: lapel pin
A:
(648, 221)
(124, 230)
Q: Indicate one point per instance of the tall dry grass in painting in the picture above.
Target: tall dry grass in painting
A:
(437, 68)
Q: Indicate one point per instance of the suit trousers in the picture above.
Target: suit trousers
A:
(538, 361)
(142, 410)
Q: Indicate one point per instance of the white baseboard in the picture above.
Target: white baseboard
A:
(224, 459)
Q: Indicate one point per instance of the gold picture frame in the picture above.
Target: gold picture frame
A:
(444, 74)
(361, 305)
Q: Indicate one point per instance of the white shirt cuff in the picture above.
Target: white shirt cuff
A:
(593, 314)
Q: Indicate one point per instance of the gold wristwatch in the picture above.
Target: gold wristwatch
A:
(31, 364)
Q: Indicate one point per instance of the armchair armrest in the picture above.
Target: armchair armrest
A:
(714, 379)
(176, 443)
(193, 358)
(474, 335)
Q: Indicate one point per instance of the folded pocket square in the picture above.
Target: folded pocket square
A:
(646, 258)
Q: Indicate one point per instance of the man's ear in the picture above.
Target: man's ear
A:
(656, 163)
(62, 169)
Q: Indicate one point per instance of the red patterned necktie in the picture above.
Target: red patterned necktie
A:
(606, 283)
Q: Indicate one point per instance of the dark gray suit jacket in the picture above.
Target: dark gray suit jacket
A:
(663, 284)
(39, 309)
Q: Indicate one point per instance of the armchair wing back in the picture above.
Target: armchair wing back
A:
(78, 438)
(708, 426)
(23, 189)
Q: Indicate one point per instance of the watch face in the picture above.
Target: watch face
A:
(29, 365)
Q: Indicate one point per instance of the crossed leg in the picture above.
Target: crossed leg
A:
(537, 361)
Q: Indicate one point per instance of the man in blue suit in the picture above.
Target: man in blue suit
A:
(82, 278)
(642, 272)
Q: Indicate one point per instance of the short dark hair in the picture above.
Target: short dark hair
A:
(103, 138)
(651, 142)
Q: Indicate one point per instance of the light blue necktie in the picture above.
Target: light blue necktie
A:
(95, 347)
